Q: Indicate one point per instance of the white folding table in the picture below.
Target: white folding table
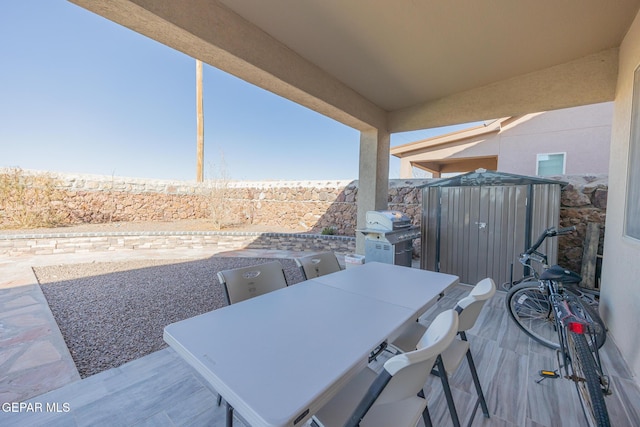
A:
(404, 286)
(278, 358)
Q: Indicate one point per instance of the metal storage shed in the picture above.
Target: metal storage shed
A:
(475, 225)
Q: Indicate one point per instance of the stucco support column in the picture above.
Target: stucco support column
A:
(373, 180)
(406, 169)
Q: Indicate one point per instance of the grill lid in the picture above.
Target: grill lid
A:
(387, 220)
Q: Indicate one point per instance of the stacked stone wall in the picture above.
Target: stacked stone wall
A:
(95, 207)
(302, 206)
(216, 241)
(308, 206)
(583, 200)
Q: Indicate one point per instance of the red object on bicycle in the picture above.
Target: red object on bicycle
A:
(577, 327)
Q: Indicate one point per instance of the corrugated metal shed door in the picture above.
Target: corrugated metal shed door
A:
(478, 232)
(480, 227)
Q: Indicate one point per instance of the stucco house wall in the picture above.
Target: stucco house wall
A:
(620, 299)
(583, 133)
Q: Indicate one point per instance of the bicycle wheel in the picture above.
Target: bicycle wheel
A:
(529, 306)
(506, 286)
(586, 377)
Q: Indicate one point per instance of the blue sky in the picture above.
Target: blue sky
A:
(81, 94)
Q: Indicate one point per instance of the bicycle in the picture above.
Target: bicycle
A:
(590, 296)
(534, 314)
(548, 310)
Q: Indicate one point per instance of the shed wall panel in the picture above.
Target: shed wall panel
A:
(479, 231)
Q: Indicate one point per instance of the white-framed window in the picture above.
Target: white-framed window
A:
(550, 164)
(632, 214)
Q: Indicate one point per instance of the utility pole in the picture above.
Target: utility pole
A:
(199, 124)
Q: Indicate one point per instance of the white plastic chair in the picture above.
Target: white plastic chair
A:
(247, 282)
(318, 265)
(469, 309)
(393, 397)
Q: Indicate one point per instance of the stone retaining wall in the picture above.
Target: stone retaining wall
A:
(583, 200)
(308, 206)
(63, 243)
(292, 205)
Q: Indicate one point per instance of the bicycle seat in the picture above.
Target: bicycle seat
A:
(559, 274)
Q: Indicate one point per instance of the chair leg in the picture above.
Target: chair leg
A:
(476, 382)
(442, 373)
(426, 417)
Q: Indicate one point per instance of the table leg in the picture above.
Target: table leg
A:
(229, 417)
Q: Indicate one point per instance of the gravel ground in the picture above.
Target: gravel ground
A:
(112, 313)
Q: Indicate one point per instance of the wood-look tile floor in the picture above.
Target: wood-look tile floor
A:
(162, 390)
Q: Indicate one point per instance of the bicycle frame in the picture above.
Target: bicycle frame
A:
(567, 309)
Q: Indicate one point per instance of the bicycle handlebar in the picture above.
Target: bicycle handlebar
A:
(565, 230)
(549, 232)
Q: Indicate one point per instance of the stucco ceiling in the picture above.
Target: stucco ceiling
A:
(401, 53)
(400, 65)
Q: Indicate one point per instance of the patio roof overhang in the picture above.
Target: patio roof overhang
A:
(399, 66)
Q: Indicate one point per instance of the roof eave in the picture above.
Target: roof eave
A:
(473, 132)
